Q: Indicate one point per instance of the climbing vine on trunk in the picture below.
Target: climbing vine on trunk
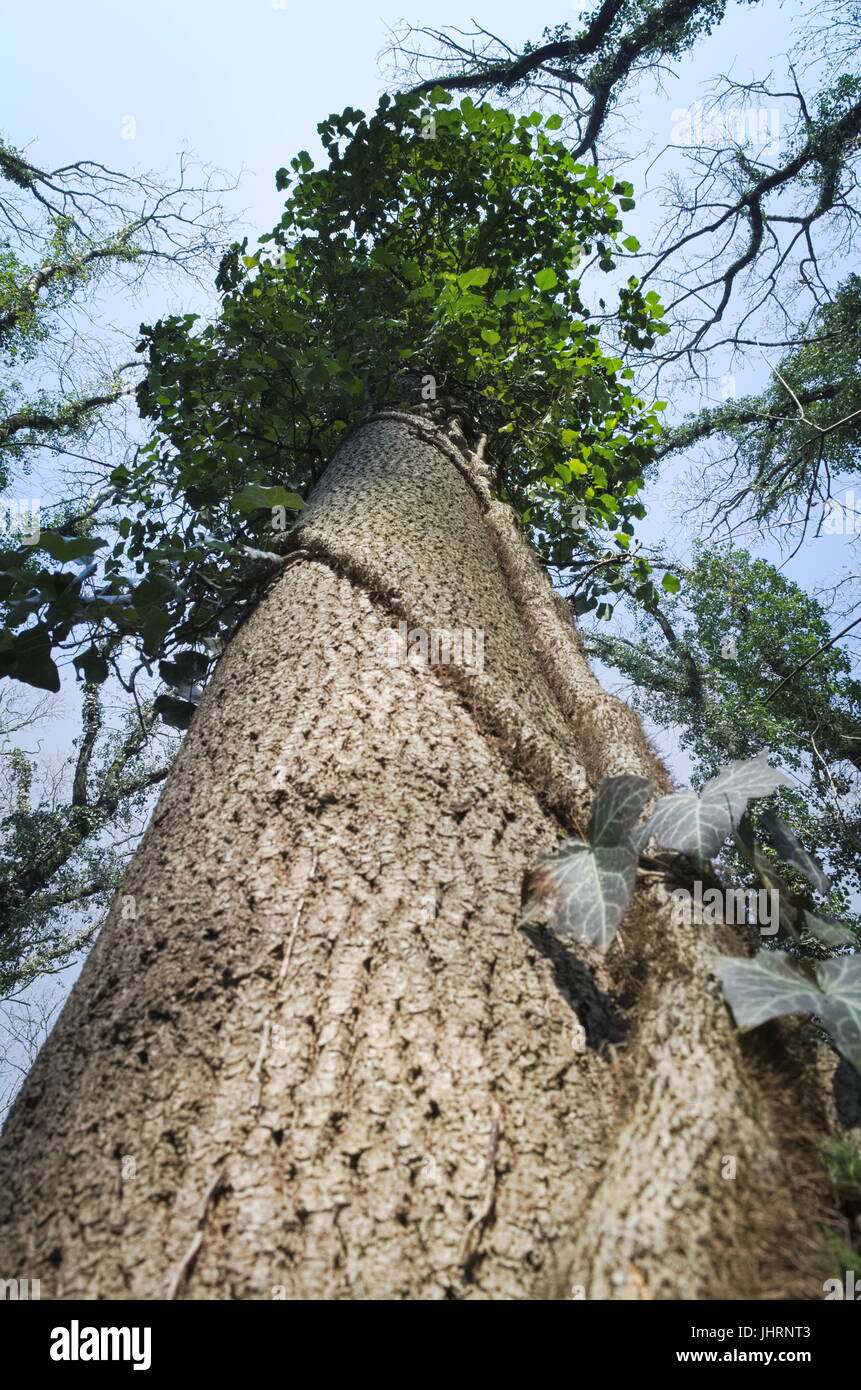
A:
(443, 251)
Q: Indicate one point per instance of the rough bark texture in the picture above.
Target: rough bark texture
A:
(322, 1059)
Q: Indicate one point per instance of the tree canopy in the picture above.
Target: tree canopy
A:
(447, 242)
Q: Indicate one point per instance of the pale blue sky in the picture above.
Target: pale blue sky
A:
(243, 83)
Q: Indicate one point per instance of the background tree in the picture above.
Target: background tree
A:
(68, 236)
(780, 458)
(72, 240)
(739, 660)
(64, 850)
(748, 223)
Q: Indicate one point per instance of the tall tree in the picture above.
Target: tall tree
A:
(316, 1052)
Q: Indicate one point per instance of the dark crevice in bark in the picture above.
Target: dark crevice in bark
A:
(847, 1094)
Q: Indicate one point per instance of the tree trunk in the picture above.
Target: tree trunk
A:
(314, 1055)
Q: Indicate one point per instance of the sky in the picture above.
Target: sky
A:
(241, 85)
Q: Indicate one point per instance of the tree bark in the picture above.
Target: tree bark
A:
(314, 1055)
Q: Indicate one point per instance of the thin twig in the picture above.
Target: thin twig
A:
(824, 648)
(184, 1267)
(472, 1234)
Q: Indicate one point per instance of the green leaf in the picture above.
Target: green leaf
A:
(584, 889)
(479, 277)
(253, 495)
(546, 279)
(698, 823)
(670, 583)
(92, 666)
(28, 658)
(795, 920)
(62, 548)
(490, 336)
(176, 713)
(186, 668)
(792, 851)
(773, 984)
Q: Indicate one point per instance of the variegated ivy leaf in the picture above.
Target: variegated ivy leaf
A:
(773, 983)
(697, 823)
(840, 978)
(826, 929)
(794, 916)
(793, 852)
(583, 889)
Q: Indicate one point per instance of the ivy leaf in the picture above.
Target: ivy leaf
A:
(92, 666)
(774, 983)
(841, 1010)
(173, 711)
(771, 984)
(583, 889)
(794, 916)
(253, 495)
(27, 657)
(62, 548)
(697, 823)
(187, 669)
(826, 929)
(193, 665)
(792, 851)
